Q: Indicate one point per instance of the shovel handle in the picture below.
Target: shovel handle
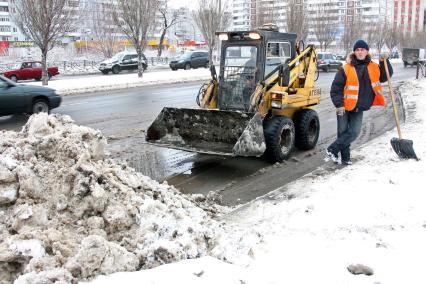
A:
(395, 111)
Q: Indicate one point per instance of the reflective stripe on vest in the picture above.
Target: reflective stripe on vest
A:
(351, 90)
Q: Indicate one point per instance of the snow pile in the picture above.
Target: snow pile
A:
(363, 223)
(67, 212)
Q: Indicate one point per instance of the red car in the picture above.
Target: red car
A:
(29, 70)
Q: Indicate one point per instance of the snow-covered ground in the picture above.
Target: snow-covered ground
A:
(369, 218)
(94, 83)
(69, 213)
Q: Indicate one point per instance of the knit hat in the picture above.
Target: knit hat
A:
(360, 44)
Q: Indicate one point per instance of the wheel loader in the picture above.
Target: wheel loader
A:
(259, 104)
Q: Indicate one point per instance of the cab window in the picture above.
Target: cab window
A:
(276, 53)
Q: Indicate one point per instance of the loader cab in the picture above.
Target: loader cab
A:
(248, 57)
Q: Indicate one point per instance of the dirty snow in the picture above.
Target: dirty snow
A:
(77, 215)
(68, 212)
(364, 223)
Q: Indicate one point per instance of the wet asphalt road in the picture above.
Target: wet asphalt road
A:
(123, 116)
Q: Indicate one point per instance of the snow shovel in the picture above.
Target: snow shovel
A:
(402, 147)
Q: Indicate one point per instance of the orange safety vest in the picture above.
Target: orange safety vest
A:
(351, 90)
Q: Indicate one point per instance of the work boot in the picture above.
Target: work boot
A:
(347, 162)
(345, 154)
(330, 155)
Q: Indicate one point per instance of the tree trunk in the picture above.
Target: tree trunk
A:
(44, 74)
(211, 55)
(140, 68)
(160, 44)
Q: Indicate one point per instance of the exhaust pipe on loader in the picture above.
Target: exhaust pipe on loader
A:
(220, 132)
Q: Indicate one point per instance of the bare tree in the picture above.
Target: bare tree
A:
(392, 37)
(135, 18)
(45, 22)
(417, 40)
(297, 20)
(211, 16)
(168, 21)
(325, 25)
(104, 30)
(377, 34)
(351, 32)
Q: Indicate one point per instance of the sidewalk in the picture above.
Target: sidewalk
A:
(69, 86)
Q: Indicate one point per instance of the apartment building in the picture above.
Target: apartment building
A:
(185, 27)
(410, 15)
(8, 30)
(241, 11)
(247, 14)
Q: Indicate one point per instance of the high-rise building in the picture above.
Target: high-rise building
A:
(185, 27)
(8, 30)
(248, 14)
(241, 15)
(410, 15)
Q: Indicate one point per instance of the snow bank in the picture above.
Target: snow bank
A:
(95, 83)
(67, 212)
(330, 225)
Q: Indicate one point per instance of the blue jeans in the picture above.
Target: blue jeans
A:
(348, 128)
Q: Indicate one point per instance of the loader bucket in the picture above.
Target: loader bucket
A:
(208, 131)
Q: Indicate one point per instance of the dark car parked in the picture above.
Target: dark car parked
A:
(192, 59)
(18, 98)
(327, 61)
(122, 61)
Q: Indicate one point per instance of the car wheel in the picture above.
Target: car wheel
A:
(116, 69)
(37, 79)
(187, 66)
(207, 65)
(327, 68)
(40, 106)
(174, 69)
(14, 78)
(105, 72)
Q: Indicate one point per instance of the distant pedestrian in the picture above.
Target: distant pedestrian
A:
(355, 88)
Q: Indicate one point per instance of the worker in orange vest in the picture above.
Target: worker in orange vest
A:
(355, 88)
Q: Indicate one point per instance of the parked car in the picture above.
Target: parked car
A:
(191, 59)
(19, 98)
(327, 61)
(29, 70)
(122, 61)
(341, 57)
(394, 54)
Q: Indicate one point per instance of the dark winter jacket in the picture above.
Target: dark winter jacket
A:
(366, 94)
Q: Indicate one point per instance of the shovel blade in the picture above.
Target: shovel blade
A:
(404, 148)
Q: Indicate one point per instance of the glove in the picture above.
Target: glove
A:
(340, 111)
(384, 56)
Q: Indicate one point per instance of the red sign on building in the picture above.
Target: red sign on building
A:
(4, 45)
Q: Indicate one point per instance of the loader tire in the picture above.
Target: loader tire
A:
(307, 127)
(279, 138)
